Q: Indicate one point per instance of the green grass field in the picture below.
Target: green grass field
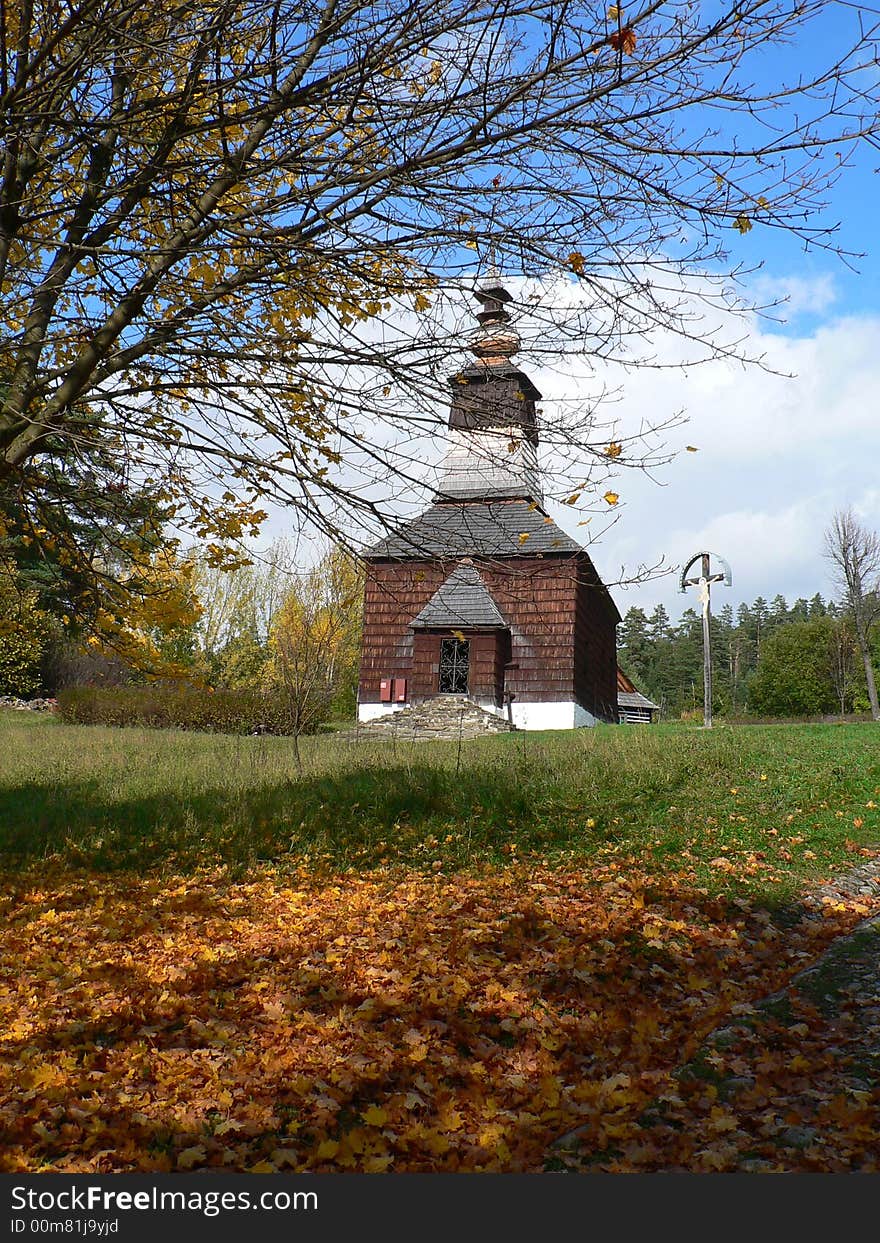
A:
(757, 809)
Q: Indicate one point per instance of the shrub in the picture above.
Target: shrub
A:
(795, 675)
(25, 634)
(176, 707)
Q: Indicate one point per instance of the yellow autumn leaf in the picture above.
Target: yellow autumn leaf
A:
(692, 448)
(574, 498)
(189, 1157)
(611, 497)
(524, 535)
(742, 223)
(375, 1116)
(327, 1150)
(614, 449)
(47, 1077)
(458, 634)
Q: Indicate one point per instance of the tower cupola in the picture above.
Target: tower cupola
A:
(492, 392)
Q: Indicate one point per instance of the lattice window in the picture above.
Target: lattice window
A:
(454, 662)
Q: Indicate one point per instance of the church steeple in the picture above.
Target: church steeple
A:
(492, 392)
(493, 425)
(496, 340)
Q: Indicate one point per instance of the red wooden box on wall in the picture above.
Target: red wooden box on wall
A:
(398, 690)
(385, 690)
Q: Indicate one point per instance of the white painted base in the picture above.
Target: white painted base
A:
(565, 715)
(372, 712)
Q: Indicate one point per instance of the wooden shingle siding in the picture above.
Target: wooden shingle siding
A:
(561, 634)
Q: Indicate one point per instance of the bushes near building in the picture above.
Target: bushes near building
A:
(177, 707)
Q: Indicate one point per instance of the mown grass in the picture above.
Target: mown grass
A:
(754, 809)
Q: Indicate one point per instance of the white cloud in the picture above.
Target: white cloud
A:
(788, 296)
(778, 449)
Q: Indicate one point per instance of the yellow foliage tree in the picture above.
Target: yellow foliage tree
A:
(315, 640)
(150, 616)
(25, 633)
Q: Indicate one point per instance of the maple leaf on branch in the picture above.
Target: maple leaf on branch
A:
(624, 40)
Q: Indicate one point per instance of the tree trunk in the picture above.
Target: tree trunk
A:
(865, 649)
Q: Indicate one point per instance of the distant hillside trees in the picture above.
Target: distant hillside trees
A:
(769, 659)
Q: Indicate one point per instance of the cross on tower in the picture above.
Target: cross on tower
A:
(704, 581)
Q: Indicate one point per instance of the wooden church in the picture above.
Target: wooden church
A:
(482, 595)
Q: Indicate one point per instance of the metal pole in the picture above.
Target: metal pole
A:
(707, 649)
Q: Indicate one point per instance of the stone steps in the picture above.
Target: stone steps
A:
(448, 717)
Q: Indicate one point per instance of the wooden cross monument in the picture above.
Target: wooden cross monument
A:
(703, 581)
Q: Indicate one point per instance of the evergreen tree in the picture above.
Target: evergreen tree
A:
(778, 612)
(659, 627)
(760, 619)
(634, 646)
(817, 607)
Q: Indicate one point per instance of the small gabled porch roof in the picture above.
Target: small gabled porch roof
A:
(463, 600)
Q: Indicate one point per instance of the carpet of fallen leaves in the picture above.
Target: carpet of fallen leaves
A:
(397, 1021)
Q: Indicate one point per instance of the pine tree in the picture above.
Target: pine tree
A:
(634, 646)
(817, 607)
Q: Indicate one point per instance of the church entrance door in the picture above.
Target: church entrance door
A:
(454, 666)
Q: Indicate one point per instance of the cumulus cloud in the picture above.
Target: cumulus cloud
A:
(777, 455)
(780, 447)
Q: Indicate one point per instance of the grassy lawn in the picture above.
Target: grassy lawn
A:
(777, 803)
(410, 957)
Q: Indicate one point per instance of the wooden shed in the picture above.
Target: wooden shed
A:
(483, 594)
(632, 706)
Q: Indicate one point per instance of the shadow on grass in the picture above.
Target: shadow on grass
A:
(367, 816)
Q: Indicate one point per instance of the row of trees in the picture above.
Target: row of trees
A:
(769, 658)
(814, 657)
(262, 625)
(666, 660)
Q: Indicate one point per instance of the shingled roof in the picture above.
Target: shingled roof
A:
(629, 697)
(480, 528)
(463, 600)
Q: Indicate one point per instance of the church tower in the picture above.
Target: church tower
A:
(482, 595)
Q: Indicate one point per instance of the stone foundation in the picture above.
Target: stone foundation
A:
(447, 717)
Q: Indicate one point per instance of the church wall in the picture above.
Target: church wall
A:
(394, 593)
(538, 597)
(562, 638)
(595, 649)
